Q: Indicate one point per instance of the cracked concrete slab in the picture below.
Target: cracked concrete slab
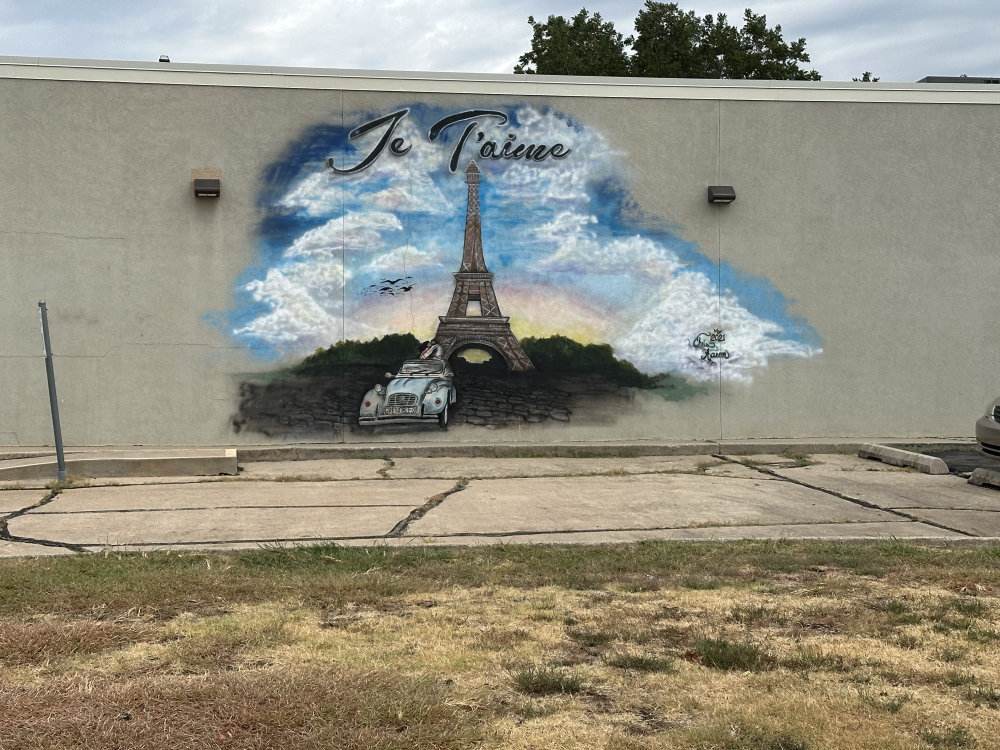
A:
(897, 489)
(14, 500)
(647, 501)
(245, 494)
(976, 522)
(502, 468)
(178, 527)
(358, 501)
(22, 549)
(343, 468)
(831, 531)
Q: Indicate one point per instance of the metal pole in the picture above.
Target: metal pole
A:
(53, 401)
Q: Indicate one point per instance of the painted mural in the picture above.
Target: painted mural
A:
(490, 261)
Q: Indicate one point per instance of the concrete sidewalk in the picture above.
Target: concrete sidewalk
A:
(468, 500)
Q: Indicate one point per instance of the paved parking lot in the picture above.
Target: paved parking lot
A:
(466, 501)
(966, 460)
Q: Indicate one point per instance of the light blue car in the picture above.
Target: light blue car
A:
(421, 391)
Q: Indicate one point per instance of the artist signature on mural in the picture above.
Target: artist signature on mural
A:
(488, 149)
(709, 343)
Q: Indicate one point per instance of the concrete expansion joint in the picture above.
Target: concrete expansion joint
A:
(854, 500)
(417, 513)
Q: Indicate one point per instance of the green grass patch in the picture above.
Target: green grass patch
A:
(987, 696)
(641, 662)
(171, 582)
(592, 637)
(885, 701)
(949, 738)
(544, 680)
(719, 653)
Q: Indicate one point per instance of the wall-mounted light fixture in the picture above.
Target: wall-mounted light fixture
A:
(207, 188)
(206, 183)
(721, 194)
(164, 58)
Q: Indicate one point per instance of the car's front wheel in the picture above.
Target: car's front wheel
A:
(443, 418)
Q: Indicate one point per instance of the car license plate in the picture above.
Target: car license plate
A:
(397, 410)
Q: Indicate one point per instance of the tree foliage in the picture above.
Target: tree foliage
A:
(584, 46)
(560, 354)
(389, 349)
(669, 43)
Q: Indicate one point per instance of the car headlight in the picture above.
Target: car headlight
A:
(378, 388)
(993, 410)
(434, 387)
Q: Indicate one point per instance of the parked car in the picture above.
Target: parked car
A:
(422, 390)
(988, 430)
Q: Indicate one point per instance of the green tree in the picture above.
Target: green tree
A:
(866, 77)
(669, 43)
(583, 46)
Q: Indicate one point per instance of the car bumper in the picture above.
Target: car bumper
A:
(403, 419)
(988, 436)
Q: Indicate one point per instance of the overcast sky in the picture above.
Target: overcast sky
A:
(896, 40)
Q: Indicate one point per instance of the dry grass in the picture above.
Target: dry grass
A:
(736, 647)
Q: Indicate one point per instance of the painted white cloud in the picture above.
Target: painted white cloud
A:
(315, 195)
(426, 198)
(296, 320)
(323, 193)
(580, 251)
(405, 258)
(560, 183)
(661, 341)
(553, 185)
(353, 231)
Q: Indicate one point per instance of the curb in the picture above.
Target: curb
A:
(985, 477)
(204, 463)
(562, 450)
(899, 457)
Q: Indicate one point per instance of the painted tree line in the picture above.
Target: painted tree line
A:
(669, 43)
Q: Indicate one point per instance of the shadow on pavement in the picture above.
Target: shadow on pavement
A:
(965, 461)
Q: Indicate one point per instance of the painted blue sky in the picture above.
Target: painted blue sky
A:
(372, 252)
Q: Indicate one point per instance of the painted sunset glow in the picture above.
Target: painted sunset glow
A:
(361, 255)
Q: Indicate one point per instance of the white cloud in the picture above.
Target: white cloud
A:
(900, 41)
(353, 231)
(420, 196)
(661, 341)
(410, 189)
(580, 251)
(315, 195)
(296, 320)
(406, 258)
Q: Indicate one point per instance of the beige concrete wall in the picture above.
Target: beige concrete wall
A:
(870, 209)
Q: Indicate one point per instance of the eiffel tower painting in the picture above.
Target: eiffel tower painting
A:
(474, 318)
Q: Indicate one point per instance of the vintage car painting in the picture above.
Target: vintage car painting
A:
(421, 391)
